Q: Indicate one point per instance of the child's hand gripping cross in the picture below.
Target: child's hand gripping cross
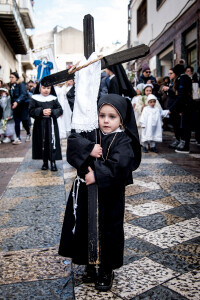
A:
(96, 152)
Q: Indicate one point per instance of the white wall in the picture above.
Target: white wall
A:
(7, 60)
(156, 19)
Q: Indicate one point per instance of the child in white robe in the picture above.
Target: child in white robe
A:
(151, 123)
(141, 103)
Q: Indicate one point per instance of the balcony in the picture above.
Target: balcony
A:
(12, 26)
(27, 61)
(26, 11)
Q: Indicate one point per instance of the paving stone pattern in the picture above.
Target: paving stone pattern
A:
(162, 234)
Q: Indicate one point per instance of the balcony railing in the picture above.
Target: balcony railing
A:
(27, 61)
(26, 11)
(12, 26)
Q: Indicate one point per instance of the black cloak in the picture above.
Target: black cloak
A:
(45, 139)
(112, 175)
(121, 83)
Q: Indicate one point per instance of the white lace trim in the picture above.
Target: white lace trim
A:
(87, 81)
(41, 98)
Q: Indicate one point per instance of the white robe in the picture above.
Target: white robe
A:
(64, 121)
(151, 123)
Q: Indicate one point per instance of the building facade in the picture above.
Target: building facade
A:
(15, 17)
(170, 28)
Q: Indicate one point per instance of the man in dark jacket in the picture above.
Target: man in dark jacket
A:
(146, 76)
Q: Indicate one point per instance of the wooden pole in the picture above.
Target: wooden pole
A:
(88, 34)
(93, 211)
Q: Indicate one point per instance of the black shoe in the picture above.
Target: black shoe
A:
(145, 150)
(89, 274)
(53, 166)
(104, 280)
(182, 148)
(174, 144)
(153, 149)
(45, 165)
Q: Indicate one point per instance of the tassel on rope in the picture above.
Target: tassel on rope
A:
(75, 197)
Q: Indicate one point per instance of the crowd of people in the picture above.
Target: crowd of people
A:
(175, 98)
(15, 99)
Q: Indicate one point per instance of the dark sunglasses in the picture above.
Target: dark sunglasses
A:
(148, 72)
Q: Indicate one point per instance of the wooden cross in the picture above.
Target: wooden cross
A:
(119, 57)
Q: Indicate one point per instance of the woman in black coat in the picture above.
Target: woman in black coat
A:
(183, 105)
(20, 103)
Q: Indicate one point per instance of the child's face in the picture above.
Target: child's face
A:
(45, 90)
(109, 119)
(148, 91)
(138, 92)
(2, 94)
(152, 103)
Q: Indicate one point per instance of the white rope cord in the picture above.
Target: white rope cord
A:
(75, 197)
(74, 68)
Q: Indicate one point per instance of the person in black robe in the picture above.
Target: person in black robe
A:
(118, 153)
(118, 82)
(45, 109)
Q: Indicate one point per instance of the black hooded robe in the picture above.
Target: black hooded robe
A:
(42, 130)
(112, 175)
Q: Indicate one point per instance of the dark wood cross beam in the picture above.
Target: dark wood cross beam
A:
(112, 59)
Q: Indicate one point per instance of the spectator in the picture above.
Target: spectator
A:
(183, 104)
(119, 82)
(103, 90)
(113, 86)
(7, 116)
(146, 76)
(196, 99)
(189, 71)
(20, 103)
(31, 87)
(175, 118)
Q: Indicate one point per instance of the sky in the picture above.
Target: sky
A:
(110, 17)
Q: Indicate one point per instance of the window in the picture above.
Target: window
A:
(141, 16)
(159, 3)
(192, 56)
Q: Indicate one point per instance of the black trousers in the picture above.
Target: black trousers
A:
(186, 125)
(17, 126)
(175, 120)
(197, 119)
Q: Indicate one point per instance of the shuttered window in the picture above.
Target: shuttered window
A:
(141, 16)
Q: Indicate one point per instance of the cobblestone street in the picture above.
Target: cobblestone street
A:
(162, 229)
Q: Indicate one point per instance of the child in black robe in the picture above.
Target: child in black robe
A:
(117, 154)
(45, 109)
